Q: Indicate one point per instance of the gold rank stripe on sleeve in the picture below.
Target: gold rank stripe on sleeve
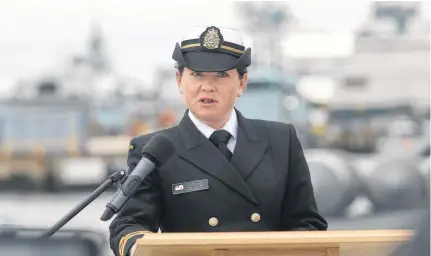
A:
(123, 241)
(222, 46)
(125, 238)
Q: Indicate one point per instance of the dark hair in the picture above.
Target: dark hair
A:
(180, 69)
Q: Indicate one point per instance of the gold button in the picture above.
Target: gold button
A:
(213, 221)
(255, 217)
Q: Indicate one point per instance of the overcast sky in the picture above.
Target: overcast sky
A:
(37, 36)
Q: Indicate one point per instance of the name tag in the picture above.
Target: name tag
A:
(190, 186)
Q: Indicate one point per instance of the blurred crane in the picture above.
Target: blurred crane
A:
(266, 23)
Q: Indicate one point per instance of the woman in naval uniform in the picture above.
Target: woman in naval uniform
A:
(229, 173)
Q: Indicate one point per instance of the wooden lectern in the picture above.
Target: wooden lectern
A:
(303, 243)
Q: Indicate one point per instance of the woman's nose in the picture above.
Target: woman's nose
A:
(207, 86)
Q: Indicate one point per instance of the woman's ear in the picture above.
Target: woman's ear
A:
(242, 84)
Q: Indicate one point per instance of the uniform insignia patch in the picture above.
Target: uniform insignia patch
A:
(131, 147)
(211, 38)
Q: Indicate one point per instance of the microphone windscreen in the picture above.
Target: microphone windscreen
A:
(159, 147)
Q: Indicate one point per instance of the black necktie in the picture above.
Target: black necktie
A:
(220, 139)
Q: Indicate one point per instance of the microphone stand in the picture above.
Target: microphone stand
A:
(112, 179)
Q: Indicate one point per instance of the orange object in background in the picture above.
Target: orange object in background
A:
(167, 119)
(138, 128)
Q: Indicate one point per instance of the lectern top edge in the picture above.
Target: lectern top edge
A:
(285, 237)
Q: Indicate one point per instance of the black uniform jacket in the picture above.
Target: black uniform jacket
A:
(265, 187)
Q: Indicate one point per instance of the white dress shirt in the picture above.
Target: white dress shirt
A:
(231, 126)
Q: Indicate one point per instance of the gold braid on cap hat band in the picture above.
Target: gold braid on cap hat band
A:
(228, 47)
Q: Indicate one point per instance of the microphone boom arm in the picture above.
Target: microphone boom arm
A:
(112, 179)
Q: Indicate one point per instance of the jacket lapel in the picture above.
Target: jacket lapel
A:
(250, 147)
(201, 153)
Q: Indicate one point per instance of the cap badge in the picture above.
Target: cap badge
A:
(211, 38)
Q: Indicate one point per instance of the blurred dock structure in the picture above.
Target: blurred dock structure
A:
(348, 98)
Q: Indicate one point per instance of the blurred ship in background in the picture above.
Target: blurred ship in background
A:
(351, 109)
(73, 127)
(361, 105)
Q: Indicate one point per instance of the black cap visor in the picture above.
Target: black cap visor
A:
(210, 61)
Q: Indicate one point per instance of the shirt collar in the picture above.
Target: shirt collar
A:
(231, 125)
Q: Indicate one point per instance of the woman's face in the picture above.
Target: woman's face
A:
(210, 96)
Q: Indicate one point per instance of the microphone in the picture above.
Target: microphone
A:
(157, 151)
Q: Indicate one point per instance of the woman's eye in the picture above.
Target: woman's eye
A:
(222, 74)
